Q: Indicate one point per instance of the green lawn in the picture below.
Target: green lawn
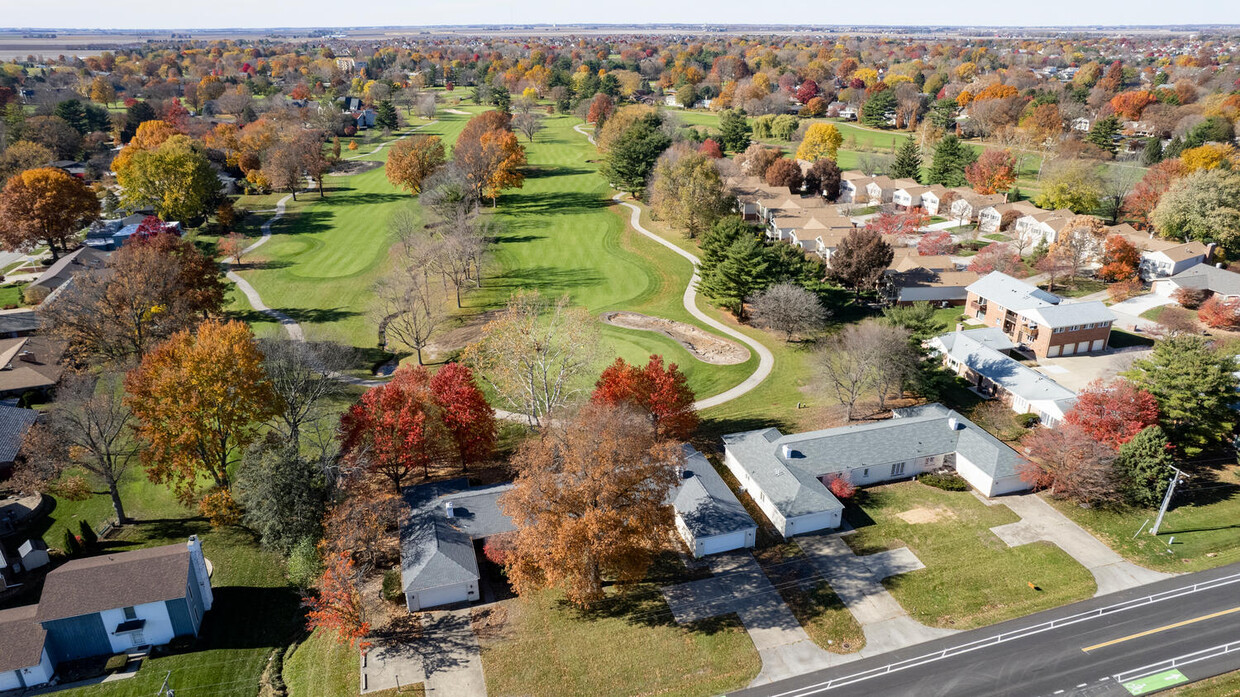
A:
(631, 645)
(1079, 287)
(1226, 685)
(1205, 525)
(994, 583)
(322, 667)
(12, 295)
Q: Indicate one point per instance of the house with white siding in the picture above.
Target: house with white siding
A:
(1160, 257)
(990, 218)
(931, 198)
(789, 476)
(1043, 226)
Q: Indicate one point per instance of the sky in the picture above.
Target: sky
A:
(156, 14)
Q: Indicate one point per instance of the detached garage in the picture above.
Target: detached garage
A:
(708, 516)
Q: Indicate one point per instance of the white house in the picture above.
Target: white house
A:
(709, 517)
(1221, 282)
(931, 197)
(968, 204)
(880, 190)
(788, 475)
(1043, 226)
(24, 661)
(853, 186)
(1161, 258)
(990, 218)
(908, 197)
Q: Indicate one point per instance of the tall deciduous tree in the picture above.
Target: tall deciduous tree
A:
(822, 140)
(176, 178)
(687, 191)
(412, 160)
(860, 259)
(1201, 206)
(1112, 413)
(1120, 259)
(395, 428)
(785, 173)
(589, 502)
(338, 606)
(993, 172)
(199, 398)
(467, 415)
(823, 178)
(1070, 463)
(533, 351)
(789, 308)
(1073, 184)
(303, 375)
(488, 155)
(661, 391)
(46, 206)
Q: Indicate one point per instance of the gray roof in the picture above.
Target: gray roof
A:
(1012, 375)
(19, 322)
(1070, 314)
(990, 337)
(14, 422)
(705, 502)
(1011, 293)
(791, 481)
(436, 550)
(1207, 276)
(81, 259)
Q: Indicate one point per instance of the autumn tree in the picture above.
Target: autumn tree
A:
(232, 246)
(1220, 313)
(1120, 259)
(532, 352)
(304, 376)
(1144, 197)
(21, 156)
(936, 243)
(1201, 206)
(395, 428)
(529, 124)
(860, 259)
(1079, 242)
(993, 172)
(1073, 184)
(283, 166)
(1070, 463)
(44, 206)
(488, 155)
(1114, 412)
(687, 192)
(660, 391)
(412, 160)
(822, 140)
(87, 427)
(785, 173)
(898, 226)
(823, 179)
(467, 416)
(200, 399)
(789, 308)
(870, 356)
(338, 606)
(998, 257)
(589, 502)
(176, 179)
(601, 109)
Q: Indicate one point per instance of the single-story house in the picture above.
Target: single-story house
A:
(709, 517)
(107, 604)
(788, 475)
(1161, 257)
(1203, 276)
(29, 364)
(70, 167)
(981, 356)
(79, 260)
(912, 278)
(438, 565)
(14, 422)
(108, 240)
(18, 323)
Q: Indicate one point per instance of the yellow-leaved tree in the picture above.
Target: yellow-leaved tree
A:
(821, 140)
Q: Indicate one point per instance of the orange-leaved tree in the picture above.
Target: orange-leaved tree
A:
(589, 502)
(1113, 413)
(395, 427)
(411, 161)
(200, 399)
(1120, 259)
(488, 155)
(993, 172)
(338, 607)
(44, 205)
(661, 391)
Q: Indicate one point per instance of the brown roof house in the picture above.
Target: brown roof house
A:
(934, 279)
(1163, 258)
(29, 364)
(108, 604)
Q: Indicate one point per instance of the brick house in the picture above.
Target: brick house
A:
(1037, 321)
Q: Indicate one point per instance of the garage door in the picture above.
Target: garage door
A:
(1068, 348)
(1099, 343)
(434, 597)
(723, 543)
(1082, 347)
(1054, 351)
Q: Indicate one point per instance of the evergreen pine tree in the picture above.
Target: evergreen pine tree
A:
(950, 158)
(1153, 152)
(733, 130)
(907, 164)
(1144, 463)
(741, 274)
(89, 538)
(1173, 149)
(72, 547)
(385, 116)
(1103, 134)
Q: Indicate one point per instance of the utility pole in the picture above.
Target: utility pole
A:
(1175, 478)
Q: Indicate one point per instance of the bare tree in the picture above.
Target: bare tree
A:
(844, 371)
(789, 308)
(426, 106)
(528, 123)
(88, 427)
(872, 355)
(303, 375)
(1117, 183)
(408, 310)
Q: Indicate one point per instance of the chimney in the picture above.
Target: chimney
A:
(199, 562)
(449, 509)
(959, 326)
(787, 451)
(1210, 251)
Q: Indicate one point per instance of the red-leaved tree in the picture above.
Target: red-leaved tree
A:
(841, 487)
(898, 224)
(1070, 463)
(807, 91)
(1113, 413)
(1220, 313)
(601, 109)
(994, 171)
(936, 243)
(1146, 194)
(338, 607)
(468, 417)
(711, 149)
(998, 257)
(663, 392)
(395, 427)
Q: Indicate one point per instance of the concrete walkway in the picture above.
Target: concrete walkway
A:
(858, 583)
(1128, 313)
(445, 657)
(1041, 522)
(740, 586)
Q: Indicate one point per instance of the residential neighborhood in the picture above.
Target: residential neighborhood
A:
(543, 356)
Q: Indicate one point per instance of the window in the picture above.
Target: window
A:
(865, 472)
(897, 469)
(130, 614)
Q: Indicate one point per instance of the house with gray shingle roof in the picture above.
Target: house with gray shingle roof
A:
(708, 515)
(1204, 277)
(788, 475)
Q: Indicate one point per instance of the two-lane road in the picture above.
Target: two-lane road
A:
(1077, 650)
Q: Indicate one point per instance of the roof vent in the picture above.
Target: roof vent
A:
(954, 424)
(686, 474)
(789, 452)
(449, 509)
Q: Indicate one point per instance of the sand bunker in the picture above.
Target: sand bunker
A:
(919, 515)
(703, 345)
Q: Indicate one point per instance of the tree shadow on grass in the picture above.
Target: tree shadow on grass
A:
(301, 315)
(559, 203)
(547, 280)
(560, 171)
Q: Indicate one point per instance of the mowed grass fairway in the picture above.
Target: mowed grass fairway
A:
(994, 583)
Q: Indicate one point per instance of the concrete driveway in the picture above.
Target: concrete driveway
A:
(1128, 313)
(1076, 372)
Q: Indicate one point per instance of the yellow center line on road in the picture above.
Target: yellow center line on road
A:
(1156, 630)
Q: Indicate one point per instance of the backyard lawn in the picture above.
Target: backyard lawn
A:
(993, 586)
(1205, 525)
(631, 645)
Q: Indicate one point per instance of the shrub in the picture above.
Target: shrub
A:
(116, 663)
(1190, 298)
(841, 488)
(33, 295)
(498, 549)
(73, 488)
(73, 547)
(304, 564)
(391, 585)
(88, 536)
(946, 482)
(1122, 290)
(220, 509)
(1028, 420)
(1220, 313)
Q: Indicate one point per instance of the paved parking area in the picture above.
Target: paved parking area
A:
(1076, 372)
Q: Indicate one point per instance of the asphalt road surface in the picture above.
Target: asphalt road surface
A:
(1110, 646)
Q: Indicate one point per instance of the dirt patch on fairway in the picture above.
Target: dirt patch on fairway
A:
(346, 168)
(460, 336)
(701, 344)
(456, 111)
(919, 515)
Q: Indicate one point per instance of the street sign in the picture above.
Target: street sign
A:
(1155, 682)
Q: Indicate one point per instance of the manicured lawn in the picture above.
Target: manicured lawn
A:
(825, 618)
(1154, 313)
(1123, 339)
(1079, 287)
(12, 295)
(629, 646)
(1205, 525)
(972, 578)
(322, 667)
(1226, 685)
